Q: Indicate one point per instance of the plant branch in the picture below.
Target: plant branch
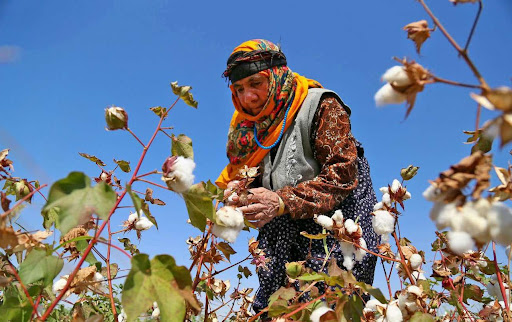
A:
(402, 259)
(155, 184)
(480, 7)
(2, 216)
(109, 276)
(116, 247)
(25, 290)
(452, 41)
(100, 229)
(303, 306)
(225, 269)
(455, 83)
(147, 174)
(500, 280)
(135, 136)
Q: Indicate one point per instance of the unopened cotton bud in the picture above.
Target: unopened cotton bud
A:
(294, 269)
(415, 261)
(388, 95)
(338, 217)
(325, 221)
(397, 76)
(409, 172)
(116, 118)
(22, 189)
(395, 186)
(383, 222)
(460, 242)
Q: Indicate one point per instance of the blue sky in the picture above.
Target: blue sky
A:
(76, 58)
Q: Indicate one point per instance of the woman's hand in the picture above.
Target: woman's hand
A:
(263, 206)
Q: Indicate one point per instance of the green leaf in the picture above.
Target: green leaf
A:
(375, 292)
(81, 245)
(77, 201)
(215, 192)
(157, 280)
(312, 277)
(199, 205)
(182, 146)
(422, 317)
(50, 217)
(93, 159)
(159, 110)
(123, 165)
(40, 266)
(15, 306)
(129, 246)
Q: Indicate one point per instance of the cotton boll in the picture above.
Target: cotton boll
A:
(383, 222)
(156, 311)
(230, 216)
(359, 252)
(413, 289)
(143, 223)
(229, 234)
(386, 199)
(397, 76)
(179, 174)
(460, 242)
(60, 284)
(470, 221)
(230, 221)
(418, 276)
(388, 95)
(407, 195)
(372, 304)
(132, 217)
(384, 190)
(351, 226)
(432, 193)
(384, 239)
(378, 206)
(393, 313)
(442, 214)
(347, 250)
(415, 261)
(319, 312)
(122, 316)
(338, 217)
(325, 221)
(500, 223)
(395, 186)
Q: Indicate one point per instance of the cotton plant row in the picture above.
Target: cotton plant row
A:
(81, 212)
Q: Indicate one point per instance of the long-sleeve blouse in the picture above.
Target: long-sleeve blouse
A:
(334, 148)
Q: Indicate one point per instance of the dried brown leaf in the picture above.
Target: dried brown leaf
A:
(418, 32)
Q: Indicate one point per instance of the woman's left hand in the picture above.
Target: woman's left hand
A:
(263, 206)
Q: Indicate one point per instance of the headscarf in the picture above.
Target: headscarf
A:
(287, 91)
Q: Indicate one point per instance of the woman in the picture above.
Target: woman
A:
(299, 135)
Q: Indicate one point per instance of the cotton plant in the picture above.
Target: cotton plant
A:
(349, 235)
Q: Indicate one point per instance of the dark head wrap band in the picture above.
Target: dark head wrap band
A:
(246, 63)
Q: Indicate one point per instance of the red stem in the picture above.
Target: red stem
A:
(98, 233)
(303, 306)
(155, 184)
(500, 280)
(15, 273)
(109, 277)
(116, 247)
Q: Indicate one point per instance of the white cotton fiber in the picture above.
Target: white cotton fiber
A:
(460, 242)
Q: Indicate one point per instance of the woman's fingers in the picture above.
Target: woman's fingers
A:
(253, 208)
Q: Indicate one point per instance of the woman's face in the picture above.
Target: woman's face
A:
(252, 92)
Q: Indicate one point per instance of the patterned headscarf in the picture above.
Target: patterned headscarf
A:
(287, 91)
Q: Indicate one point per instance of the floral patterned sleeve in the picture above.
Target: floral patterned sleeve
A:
(335, 150)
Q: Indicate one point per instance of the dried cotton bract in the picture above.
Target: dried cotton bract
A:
(230, 221)
(178, 173)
